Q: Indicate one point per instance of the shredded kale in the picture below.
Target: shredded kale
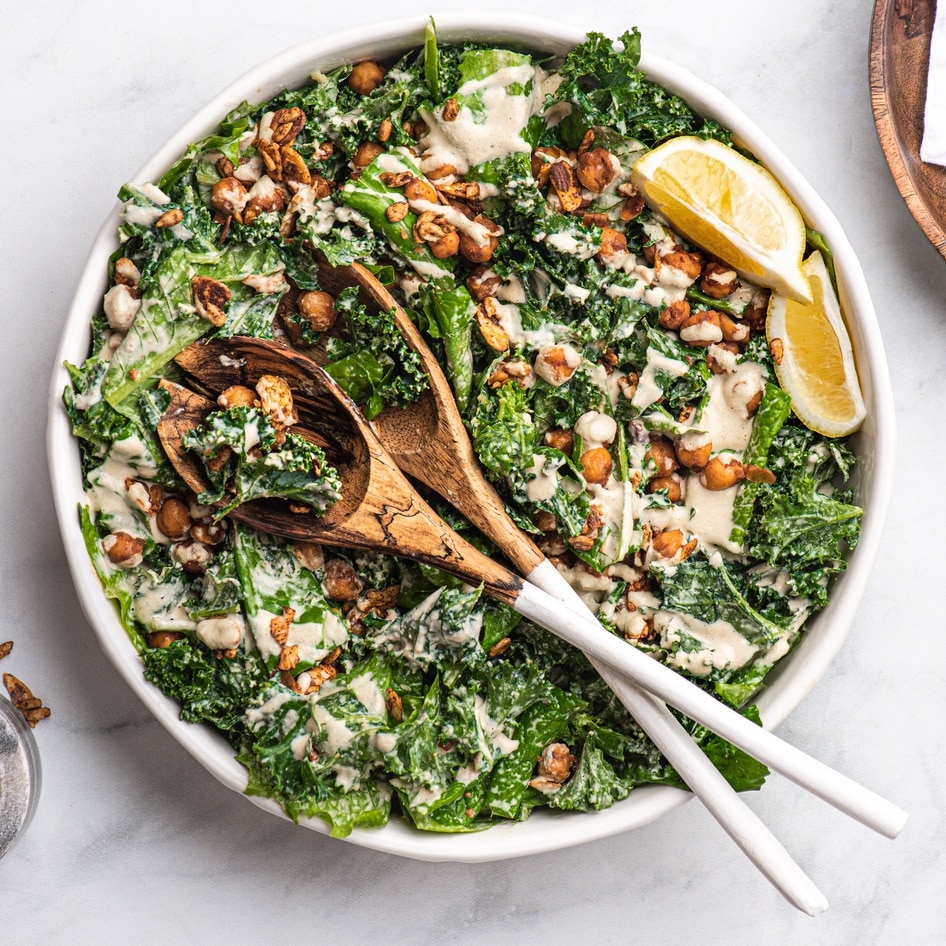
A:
(601, 82)
(246, 457)
(373, 362)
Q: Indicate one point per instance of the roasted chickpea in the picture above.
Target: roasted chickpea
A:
(340, 582)
(419, 189)
(229, 196)
(479, 252)
(237, 395)
(596, 465)
(662, 455)
(560, 439)
(159, 639)
(667, 543)
(366, 77)
(318, 309)
(722, 473)
(670, 484)
(309, 554)
(693, 452)
(366, 152)
(174, 519)
(674, 315)
(595, 169)
(448, 245)
(123, 549)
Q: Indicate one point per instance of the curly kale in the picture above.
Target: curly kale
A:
(373, 362)
(209, 690)
(245, 458)
(601, 82)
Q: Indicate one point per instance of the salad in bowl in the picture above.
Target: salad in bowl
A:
(631, 367)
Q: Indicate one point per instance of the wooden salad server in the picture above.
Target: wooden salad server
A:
(380, 510)
(429, 442)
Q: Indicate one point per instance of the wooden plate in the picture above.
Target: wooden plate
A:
(899, 58)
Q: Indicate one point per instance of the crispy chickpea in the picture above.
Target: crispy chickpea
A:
(667, 543)
(160, 639)
(366, 152)
(560, 439)
(229, 196)
(309, 554)
(721, 357)
(237, 395)
(448, 245)
(419, 189)
(174, 519)
(366, 77)
(674, 315)
(613, 245)
(717, 279)
(670, 484)
(722, 473)
(545, 521)
(662, 455)
(483, 282)
(759, 474)
(693, 452)
(702, 328)
(595, 169)
(340, 582)
(556, 364)
(732, 330)
(209, 531)
(475, 251)
(123, 549)
(318, 309)
(596, 465)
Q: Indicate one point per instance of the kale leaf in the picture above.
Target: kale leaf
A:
(245, 460)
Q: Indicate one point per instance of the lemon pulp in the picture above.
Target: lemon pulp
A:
(816, 367)
(728, 206)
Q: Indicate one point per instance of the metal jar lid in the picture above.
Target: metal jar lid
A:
(20, 774)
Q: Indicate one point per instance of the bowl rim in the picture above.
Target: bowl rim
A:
(825, 633)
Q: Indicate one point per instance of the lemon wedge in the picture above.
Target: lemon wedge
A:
(728, 206)
(814, 361)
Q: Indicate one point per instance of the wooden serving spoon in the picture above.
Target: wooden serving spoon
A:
(380, 510)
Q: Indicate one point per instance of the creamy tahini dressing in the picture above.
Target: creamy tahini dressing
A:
(722, 647)
(470, 140)
(533, 339)
(492, 732)
(648, 390)
(711, 514)
(368, 693)
(726, 423)
(725, 416)
(543, 479)
(158, 607)
(315, 640)
(335, 735)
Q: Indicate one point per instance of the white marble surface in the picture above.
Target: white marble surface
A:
(133, 840)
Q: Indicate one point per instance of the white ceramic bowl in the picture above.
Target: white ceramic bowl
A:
(795, 676)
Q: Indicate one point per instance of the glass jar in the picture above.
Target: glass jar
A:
(20, 774)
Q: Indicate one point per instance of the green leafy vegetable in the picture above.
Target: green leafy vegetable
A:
(246, 457)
